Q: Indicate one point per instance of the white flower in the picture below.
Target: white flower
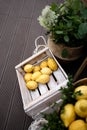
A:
(48, 18)
(45, 10)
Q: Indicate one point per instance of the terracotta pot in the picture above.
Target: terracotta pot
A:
(63, 52)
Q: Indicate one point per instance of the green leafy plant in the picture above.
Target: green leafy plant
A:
(66, 22)
(54, 122)
(68, 94)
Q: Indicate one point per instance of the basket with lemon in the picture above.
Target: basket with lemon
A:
(40, 77)
(72, 114)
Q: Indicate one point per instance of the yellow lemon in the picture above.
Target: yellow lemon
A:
(68, 115)
(27, 76)
(36, 75)
(28, 68)
(52, 64)
(32, 85)
(83, 89)
(43, 64)
(36, 68)
(78, 125)
(43, 79)
(86, 124)
(46, 70)
(81, 108)
(86, 119)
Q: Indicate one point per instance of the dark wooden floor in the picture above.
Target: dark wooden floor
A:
(18, 29)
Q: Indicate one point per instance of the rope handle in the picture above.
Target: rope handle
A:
(39, 46)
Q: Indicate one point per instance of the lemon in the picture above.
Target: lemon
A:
(83, 89)
(43, 64)
(81, 108)
(28, 68)
(32, 85)
(35, 75)
(68, 115)
(86, 125)
(46, 70)
(43, 79)
(86, 119)
(36, 68)
(27, 77)
(52, 64)
(78, 125)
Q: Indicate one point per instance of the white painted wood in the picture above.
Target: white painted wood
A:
(26, 97)
(34, 94)
(43, 88)
(36, 101)
(52, 83)
(60, 76)
(30, 58)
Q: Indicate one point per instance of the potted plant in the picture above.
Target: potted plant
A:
(66, 25)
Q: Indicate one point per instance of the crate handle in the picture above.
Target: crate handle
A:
(36, 43)
(39, 46)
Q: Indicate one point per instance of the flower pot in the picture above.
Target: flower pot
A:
(63, 52)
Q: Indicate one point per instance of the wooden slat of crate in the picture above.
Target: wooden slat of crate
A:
(39, 106)
(24, 92)
(34, 94)
(43, 88)
(33, 59)
(59, 76)
(52, 83)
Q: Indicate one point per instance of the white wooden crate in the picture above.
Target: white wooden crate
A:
(35, 102)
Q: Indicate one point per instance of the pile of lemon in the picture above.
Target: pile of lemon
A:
(75, 116)
(39, 73)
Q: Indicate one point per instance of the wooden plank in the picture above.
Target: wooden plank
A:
(34, 94)
(5, 42)
(52, 83)
(28, 9)
(2, 23)
(8, 79)
(5, 6)
(16, 8)
(60, 76)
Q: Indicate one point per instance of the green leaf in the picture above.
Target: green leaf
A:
(75, 5)
(84, 13)
(82, 31)
(61, 25)
(69, 24)
(54, 7)
(64, 53)
(75, 94)
(59, 32)
(66, 38)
